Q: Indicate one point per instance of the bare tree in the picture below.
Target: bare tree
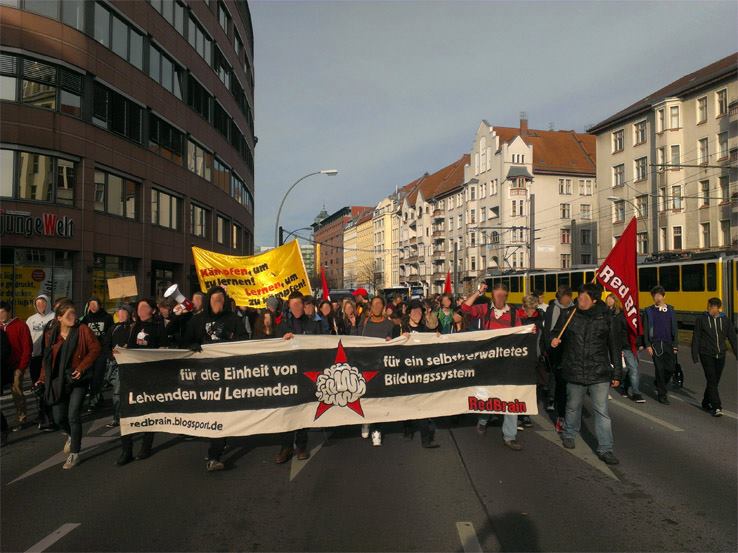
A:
(365, 274)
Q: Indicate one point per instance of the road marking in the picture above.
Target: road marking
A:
(468, 536)
(581, 451)
(96, 424)
(683, 400)
(296, 466)
(648, 416)
(54, 537)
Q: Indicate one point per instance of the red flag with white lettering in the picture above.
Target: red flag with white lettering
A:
(619, 274)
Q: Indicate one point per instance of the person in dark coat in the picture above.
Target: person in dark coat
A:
(711, 330)
(99, 322)
(591, 364)
(118, 337)
(295, 322)
(216, 324)
(554, 320)
(661, 337)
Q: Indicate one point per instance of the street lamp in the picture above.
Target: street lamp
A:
(329, 172)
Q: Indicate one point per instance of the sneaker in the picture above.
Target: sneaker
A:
(68, 446)
(365, 431)
(376, 438)
(638, 398)
(527, 423)
(513, 444)
(125, 458)
(72, 461)
(717, 412)
(481, 429)
(47, 427)
(550, 406)
(609, 396)
(559, 426)
(214, 465)
(608, 458)
(520, 426)
(568, 443)
(284, 455)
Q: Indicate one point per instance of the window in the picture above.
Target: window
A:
(703, 151)
(198, 98)
(676, 233)
(701, 110)
(199, 161)
(705, 188)
(642, 205)
(660, 158)
(115, 195)
(642, 242)
(32, 176)
(199, 221)
(221, 121)
(565, 260)
(676, 160)
(725, 232)
(585, 187)
(585, 237)
(106, 267)
(164, 209)
(172, 11)
(676, 197)
(565, 186)
(617, 141)
(641, 168)
(199, 40)
(660, 120)
(565, 236)
(222, 68)
(237, 43)
(221, 230)
(586, 259)
(221, 175)
(46, 8)
(585, 211)
(704, 235)
(73, 13)
(165, 72)
(165, 140)
(618, 211)
(102, 25)
(235, 236)
(482, 214)
(113, 32)
(663, 244)
(472, 193)
(663, 200)
(116, 113)
(224, 17)
(472, 217)
(565, 210)
(639, 133)
(618, 175)
(724, 189)
(674, 117)
(721, 102)
(693, 278)
(722, 140)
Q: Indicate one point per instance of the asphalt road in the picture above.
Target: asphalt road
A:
(675, 489)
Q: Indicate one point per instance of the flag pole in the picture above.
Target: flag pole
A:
(573, 311)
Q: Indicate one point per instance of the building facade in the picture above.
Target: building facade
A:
(328, 243)
(667, 160)
(126, 137)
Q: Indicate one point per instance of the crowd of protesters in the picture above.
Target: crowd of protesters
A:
(70, 355)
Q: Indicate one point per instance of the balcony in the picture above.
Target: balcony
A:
(518, 191)
(411, 259)
(439, 276)
(439, 255)
(438, 233)
(414, 240)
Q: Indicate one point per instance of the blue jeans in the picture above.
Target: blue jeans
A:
(509, 425)
(575, 398)
(67, 415)
(631, 364)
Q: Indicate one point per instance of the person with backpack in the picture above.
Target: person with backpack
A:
(711, 330)
(494, 315)
(661, 339)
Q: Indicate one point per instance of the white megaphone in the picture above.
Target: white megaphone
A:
(174, 293)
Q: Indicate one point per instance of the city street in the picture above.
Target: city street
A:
(674, 490)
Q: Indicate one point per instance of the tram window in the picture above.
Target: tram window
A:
(515, 284)
(711, 277)
(647, 278)
(506, 280)
(577, 279)
(693, 278)
(669, 278)
(589, 276)
(564, 279)
(550, 283)
(539, 283)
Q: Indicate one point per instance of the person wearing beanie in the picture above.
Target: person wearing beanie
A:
(36, 324)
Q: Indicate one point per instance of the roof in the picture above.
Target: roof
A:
(708, 74)
(518, 171)
(556, 152)
(431, 185)
(352, 211)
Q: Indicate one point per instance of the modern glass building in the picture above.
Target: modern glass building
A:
(126, 137)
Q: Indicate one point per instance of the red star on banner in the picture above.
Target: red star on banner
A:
(354, 405)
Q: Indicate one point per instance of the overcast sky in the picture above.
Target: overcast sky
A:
(385, 91)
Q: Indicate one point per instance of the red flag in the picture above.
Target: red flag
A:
(326, 293)
(447, 284)
(619, 274)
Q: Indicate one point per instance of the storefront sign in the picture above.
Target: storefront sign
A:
(24, 224)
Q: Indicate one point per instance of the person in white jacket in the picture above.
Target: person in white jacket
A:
(37, 324)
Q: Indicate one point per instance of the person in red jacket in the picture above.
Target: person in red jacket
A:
(21, 346)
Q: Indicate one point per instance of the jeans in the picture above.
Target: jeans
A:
(115, 381)
(713, 368)
(631, 364)
(575, 398)
(67, 415)
(298, 438)
(664, 362)
(509, 425)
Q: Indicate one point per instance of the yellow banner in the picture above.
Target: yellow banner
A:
(250, 280)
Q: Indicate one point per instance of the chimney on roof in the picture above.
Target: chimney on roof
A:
(523, 124)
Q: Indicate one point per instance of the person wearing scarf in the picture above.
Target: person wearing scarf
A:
(71, 349)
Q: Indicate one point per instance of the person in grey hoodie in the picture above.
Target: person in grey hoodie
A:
(36, 325)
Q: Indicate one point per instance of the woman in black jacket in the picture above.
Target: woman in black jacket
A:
(118, 337)
(147, 332)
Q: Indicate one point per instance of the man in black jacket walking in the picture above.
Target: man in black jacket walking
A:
(711, 330)
(100, 323)
(215, 324)
(294, 322)
(591, 364)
